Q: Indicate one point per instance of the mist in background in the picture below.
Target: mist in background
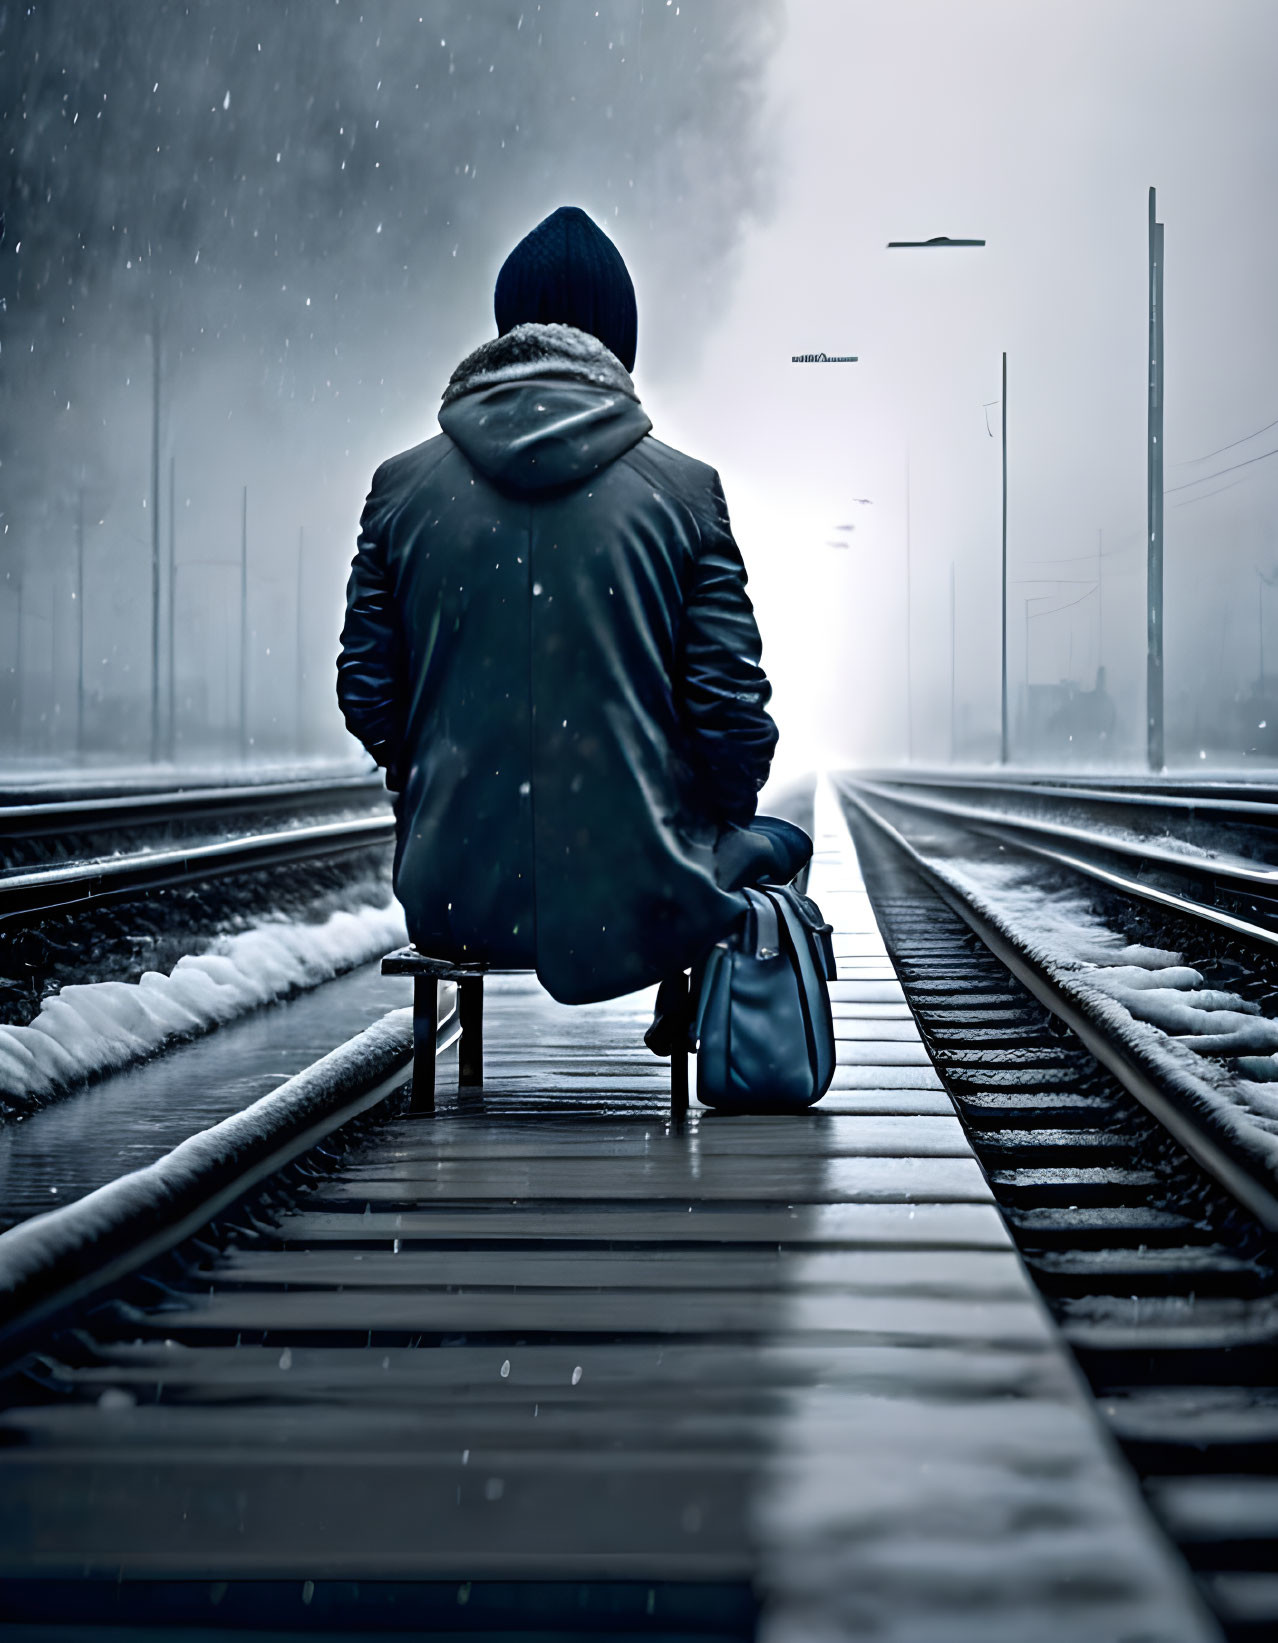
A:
(1039, 128)
(307, 203)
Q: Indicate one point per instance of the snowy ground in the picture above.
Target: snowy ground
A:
(95, 1027)
(1217, 1048)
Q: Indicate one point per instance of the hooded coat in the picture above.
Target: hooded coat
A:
(549, 646)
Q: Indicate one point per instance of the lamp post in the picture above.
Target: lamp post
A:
(942, 242)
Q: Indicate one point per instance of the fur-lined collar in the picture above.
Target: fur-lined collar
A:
(540, 351)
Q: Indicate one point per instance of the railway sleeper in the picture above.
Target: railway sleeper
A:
(1188, 1428)
(1102, 1226)
(1222, 1521)
(1205, 1269)
(1072, 1188)
(1010, 1149)
(990, 1110)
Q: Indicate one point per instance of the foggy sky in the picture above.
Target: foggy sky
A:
(312, 199)
(1040, 128)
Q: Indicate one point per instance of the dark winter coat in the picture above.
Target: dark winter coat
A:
(549, 645)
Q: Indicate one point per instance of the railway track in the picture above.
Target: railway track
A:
(547, 1361)
(1206, 856)
(125, 845)
(1144, 1204)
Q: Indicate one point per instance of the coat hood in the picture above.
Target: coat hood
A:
(543, 407)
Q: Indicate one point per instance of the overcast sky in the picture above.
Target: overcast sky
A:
(1039, 127)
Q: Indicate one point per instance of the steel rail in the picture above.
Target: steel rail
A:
(1263, 880)
(1213, 1145)
(111, 878)
(1216, 800)
(89, 814)
(56, 1261)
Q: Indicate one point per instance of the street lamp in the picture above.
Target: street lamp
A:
(938, 242)
(945, 242)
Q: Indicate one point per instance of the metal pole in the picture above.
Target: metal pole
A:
(155, 537)
(20, 657)
(1003, 735)
(1100, 599)
(172, 689)
(244, 635)
(301, 669)
(1027, 655)
(909, 624)
(79, 600)
(1154, 504)
(953, 669)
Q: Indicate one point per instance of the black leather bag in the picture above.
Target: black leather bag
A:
(764, 1028)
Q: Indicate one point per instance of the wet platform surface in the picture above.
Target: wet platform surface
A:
(544, 1334)
(130, 1118)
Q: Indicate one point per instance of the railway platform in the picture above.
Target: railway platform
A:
(546, 1362)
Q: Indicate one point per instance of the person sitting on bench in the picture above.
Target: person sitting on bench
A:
(549, 648)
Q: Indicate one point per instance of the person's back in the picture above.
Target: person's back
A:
(549, 646)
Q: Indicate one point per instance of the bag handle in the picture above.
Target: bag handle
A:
(767, 926)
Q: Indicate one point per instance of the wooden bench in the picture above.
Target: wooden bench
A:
(427, 973)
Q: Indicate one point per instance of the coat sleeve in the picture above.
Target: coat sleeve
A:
(370, 682)
(721, 689)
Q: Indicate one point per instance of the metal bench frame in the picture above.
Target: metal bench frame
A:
(427, 973)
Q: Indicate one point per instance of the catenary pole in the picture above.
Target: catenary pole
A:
(953, 670)
(909, 622)
(244, 632)
(301, 654)
(79, 605)
(155, 536)
(1154, 502)
(1003, 744)
(171, 723)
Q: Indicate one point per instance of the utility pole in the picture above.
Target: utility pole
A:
(244, 632)
(155, 536)
(909, 623)
(953, 670)
(79, 601)
(171, 724)
(1260, 620)
(1154, 500)
(20, 659)
(1003, 744)
(301, 653)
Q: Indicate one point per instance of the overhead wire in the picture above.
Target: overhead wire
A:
(1232, 445)
(1221, 472)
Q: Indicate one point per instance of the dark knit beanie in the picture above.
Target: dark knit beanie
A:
(568, 272)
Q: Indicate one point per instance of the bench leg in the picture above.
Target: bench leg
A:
(425, 1032)
(679, 1064)
(470, 1052)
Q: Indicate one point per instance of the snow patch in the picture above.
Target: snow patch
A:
(1147, 999)
(1152, 985)
(66, 1244)
(102, 1025)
